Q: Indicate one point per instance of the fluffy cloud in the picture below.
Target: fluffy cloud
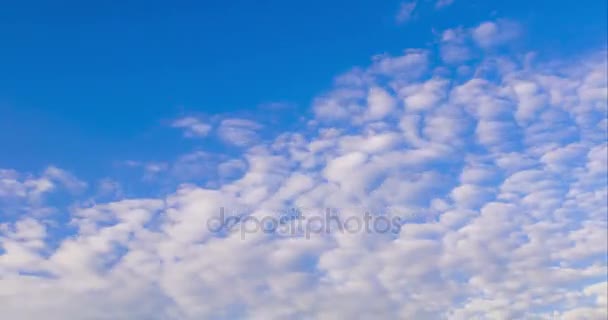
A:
(459, 45)
(381, 104)
(499, 178)
(494, 33)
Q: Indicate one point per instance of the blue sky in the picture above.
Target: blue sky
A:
(477, 128)
(94, 80)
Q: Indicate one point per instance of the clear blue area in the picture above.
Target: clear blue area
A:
(87, 84)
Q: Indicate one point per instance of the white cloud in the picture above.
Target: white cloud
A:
(68, 180)
(192, 126)
(409, 65)
(495, 33)
(425, 95)
(239, 132)
(455, 47)
(27, 193)
(470, 196)
(380, 104)
(406, 11)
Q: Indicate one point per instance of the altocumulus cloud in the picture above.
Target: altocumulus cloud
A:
(502, 158)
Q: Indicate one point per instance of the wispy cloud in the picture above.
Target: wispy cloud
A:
(443, 3)
(239, 132)
(193, 127)
(406, 11)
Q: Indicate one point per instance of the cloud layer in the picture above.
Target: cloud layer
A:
(496, 161)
